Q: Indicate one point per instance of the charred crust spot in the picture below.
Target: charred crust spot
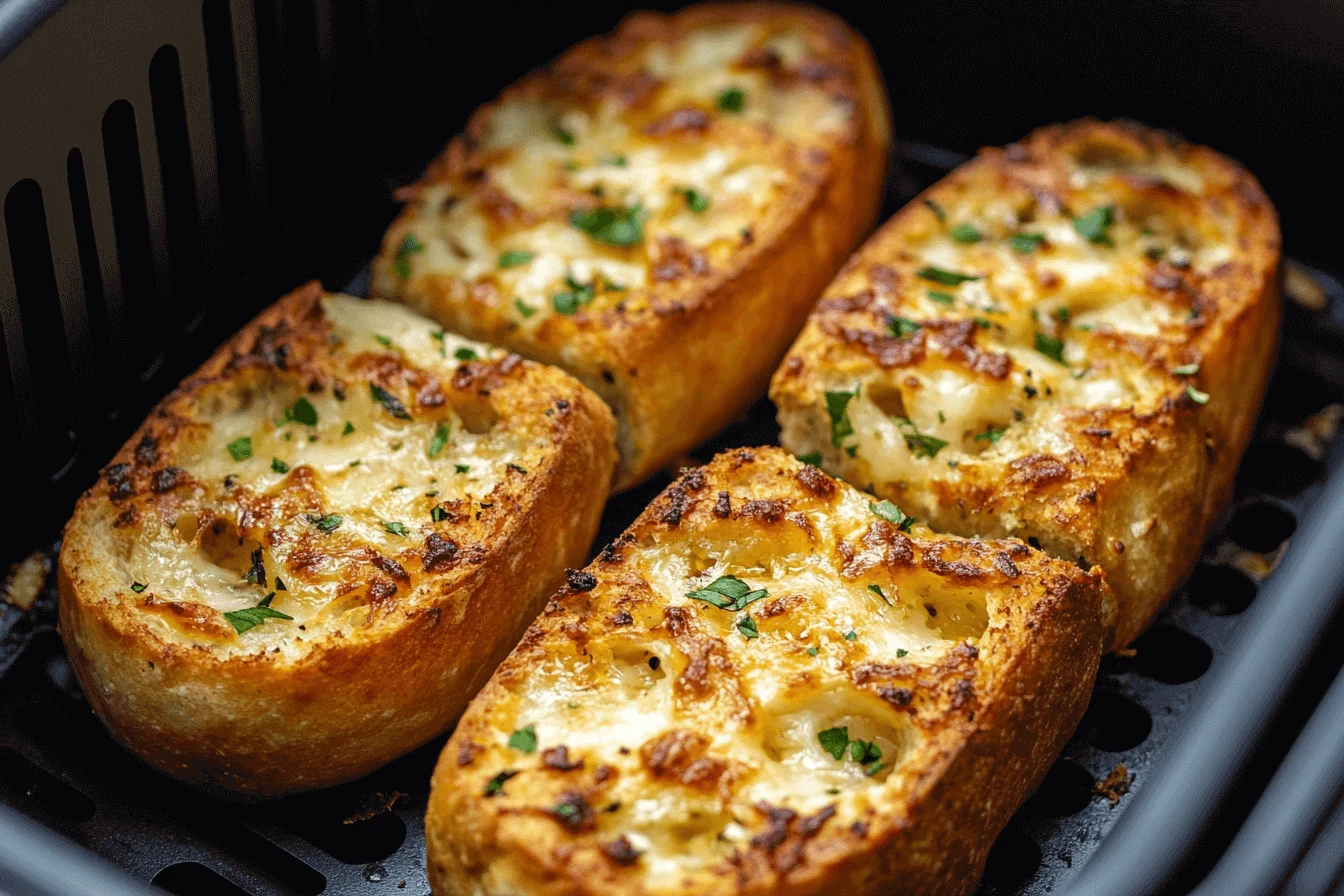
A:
(430, 395)
(612, 552)
(604, 772)
(167, 479)
(723, 507)
(1004, 564)
(621, 851)
(439, 552)
(580, 581)
(956, 338)
(672, 752)
(742, 457)
(573, 811)
(816, 482)
(466, 753)
(898, 697)
(674, 506)
(509, 363)
(810, 825)
(777, 820)
(558, 759)
(127, 517)
(679, 121)
(846, 304)
(1097, 432)
(621, 618)
(859, 829)
(963, 693)
(764, 511)
(147, 451)
(676, 259)
(887, 350)
(391, 567)
(118, 478)
(694, 480)
(381, 590)
(1038, 469)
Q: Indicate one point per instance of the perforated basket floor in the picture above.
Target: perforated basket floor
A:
(59, 766)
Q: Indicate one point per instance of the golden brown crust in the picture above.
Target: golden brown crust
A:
(391, 633)
(711, 298)
(1115, 279)
(693, 751)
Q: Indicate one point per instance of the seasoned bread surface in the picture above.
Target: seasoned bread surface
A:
(315, 549)
(1066, 340)
(771, 683)
(655, 212)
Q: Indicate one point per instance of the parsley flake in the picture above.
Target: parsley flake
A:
(851, 635)
(439, 440)
(462, 468)
(524, 309)
(524, 740)
(513, 258)
(329, 523)
(834, 741)
(837, 406)
(990, 435)
(383, 340)
(349, 428)
(616, 226)
(877, 589)
(965, 233)
(920, 444)
(437, 513)
(390, 402)
(1095, 226)
(1196, 396)
(812, 458)
(240, 448)
(902, 327)
(495, 786)
(569, 302)
(465, 353)
(396, 528)
(410, 245)
(901, 651)
(936, 209)
(812, 651)
(728, 593)
(564, 136)
(942, 298)
(732, 99)
(695, 200)
(746, 627)
(1025, 243)
(138, 587)
(251, 617)
(893, 514)
(279, 466)
(1051, 347)
(1185, 370)
(947, 278)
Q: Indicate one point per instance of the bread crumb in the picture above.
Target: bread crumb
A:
(1114, 785)
(25, 580)
(372, 804)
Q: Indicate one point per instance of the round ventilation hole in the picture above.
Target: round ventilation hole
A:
(1013, 860)
(1279, 469)
(1114, 723)
(1221, 590)
(1169, 655)
(1067, 789)
(1261, 526)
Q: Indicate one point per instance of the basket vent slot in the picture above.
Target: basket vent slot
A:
(130, 217)
(24, 784)
(108, 365)
(194, 879)
(48, 364)
(181, 209)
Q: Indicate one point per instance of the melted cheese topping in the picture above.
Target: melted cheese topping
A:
(698, 161)
(319, 499)
(770, 700)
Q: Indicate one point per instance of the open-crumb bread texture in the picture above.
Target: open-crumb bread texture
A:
(312, 553)
(771, 683)
(1066, 340)
(656, 211)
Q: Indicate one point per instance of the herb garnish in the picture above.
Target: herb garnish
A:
(524, 310)
(138, 587)
(812, 458)
(329, 523)
(920, 444)
(837, 405)
(1095, 226)
(569, 302)
(395, 527)
(279, 466)
(410, 245)
(695, 200)
(465, 353)
(461, 468)
(942, 298)
(1051, 347)
(893, 514)
(746, 627)
(1196, 396)
(437, 513)
(965, 233)
(564, 136)
(947, 278)
(834, 741)
(1185, 370)
(616, 226)
(513, 258)
(732, 99)
(251, 617)
(496, 784)
(877, 589)
(1025, 243)
(990, 435)
(936, 209)
(902, 326)
(728, 593)
(240, 448)
(389, 401)
(302, 410)
(524, 740)
(439, 440)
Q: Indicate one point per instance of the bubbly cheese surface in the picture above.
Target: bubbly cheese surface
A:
(674, 150)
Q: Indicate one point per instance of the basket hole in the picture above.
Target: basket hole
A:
(194, 879)
(1114, 723)
(1066, 790)
(1294, 395)
(322, 824)
(1221, 590)
(1169, 655)
(181, 218)
(26, 785)
(105, 359)
(1279, 469)
(1013, 860)
(1261, 526)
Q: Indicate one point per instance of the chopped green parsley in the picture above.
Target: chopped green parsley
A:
(396, 528)
(1026, 243)
(746, 627)
(947, 278)
(524, 740)
(1095, 226)
(616, 226)
(894, 515)
(279, 466)
(1051, 347)
(920, 444)
(390, 402)
(837, 406)
(329, 523)
(240, 448)
(732, 99)
(965, 233)
(513, 258)
(410, 245)
(728, 593)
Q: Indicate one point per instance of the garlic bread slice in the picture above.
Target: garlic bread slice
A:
(1066, 340)
(771, 683)
(655, 212)
(316, 549)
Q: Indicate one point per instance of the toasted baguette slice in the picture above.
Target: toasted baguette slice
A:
(1066, 341)
(656, 212)
(406, 499)
(856, 710)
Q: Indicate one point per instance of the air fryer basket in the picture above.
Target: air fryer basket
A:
(169, 167)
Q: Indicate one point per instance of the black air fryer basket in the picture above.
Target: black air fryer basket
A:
(168, 167)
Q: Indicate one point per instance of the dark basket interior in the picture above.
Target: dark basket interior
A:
(349, 101)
